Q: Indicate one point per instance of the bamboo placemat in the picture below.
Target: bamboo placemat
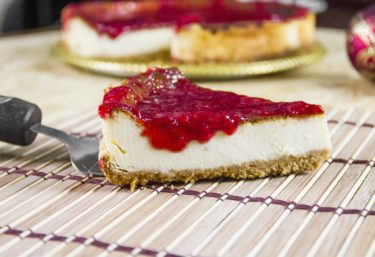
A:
(49, 209)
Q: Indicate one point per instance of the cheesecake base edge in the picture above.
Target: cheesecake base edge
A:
(284, 165)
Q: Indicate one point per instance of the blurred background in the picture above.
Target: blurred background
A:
(23, 15)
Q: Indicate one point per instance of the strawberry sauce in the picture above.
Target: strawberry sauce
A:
(174, 111)
(114, 18)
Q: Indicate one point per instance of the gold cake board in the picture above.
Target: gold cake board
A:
(132, 66)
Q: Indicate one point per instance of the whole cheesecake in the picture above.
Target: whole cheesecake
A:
(192, 31)
(160, 127)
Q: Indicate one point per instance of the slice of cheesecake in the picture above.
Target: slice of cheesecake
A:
(192, 31)
(160, 127)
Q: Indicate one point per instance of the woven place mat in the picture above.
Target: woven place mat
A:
(49, 209)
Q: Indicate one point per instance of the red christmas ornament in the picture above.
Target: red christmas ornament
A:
(361, 42)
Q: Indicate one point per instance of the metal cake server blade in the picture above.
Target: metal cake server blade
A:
(20, 122)
(83, 151)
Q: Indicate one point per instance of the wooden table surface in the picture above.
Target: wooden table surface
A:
(28, 70)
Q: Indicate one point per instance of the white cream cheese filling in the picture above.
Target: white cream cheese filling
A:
(85, 41)
(267, 140)
(291, 35)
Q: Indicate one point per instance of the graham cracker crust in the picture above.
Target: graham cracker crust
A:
(257, 169)
(248, 41)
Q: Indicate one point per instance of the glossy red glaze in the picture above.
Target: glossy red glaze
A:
(116, 17)
(174, 111)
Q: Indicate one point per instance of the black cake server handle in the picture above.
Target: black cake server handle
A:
(20, 121)
(16, 119)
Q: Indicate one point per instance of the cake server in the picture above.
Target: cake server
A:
(20, 122)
